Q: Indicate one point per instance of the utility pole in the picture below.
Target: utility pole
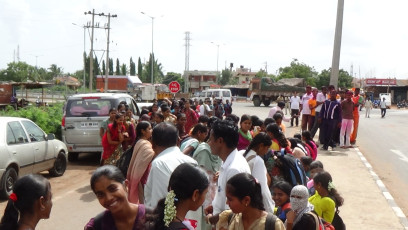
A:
(187, 61)
(107, 53)
(334, 78)
(91, 53)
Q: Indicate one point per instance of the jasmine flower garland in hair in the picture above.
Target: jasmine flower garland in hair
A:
(330, 186)
(169, 208)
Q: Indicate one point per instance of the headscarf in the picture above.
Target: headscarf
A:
(299, 202)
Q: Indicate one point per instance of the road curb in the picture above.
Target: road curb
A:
(397, 210)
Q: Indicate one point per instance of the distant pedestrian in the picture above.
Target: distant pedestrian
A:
(320, 99)
(329, 118)
(30, 202)
(227, 108)
(305, 109)
(294, 108)
(383, 107)
(358, 100)
(368, 104)
(347, 107)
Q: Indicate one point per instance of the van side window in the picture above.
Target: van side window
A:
(216, 94)
(226, 94)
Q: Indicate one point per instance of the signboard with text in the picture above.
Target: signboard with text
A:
(374, 81)
(174, 87)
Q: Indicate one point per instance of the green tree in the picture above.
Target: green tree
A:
(132, 67)
(298, 70)
(54, 71)
(123, 69)
(225, 77)
(110, 66)
(18, 72)
(117, 72)
(140, 70)
(345, 79)
(103, 67)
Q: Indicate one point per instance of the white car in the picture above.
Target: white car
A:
(25, 148)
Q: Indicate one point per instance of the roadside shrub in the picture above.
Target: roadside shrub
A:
(48, 118)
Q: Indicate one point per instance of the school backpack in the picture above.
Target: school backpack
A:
(124, 160)
(321, 224)
(269, 222)
(292, 170)
(338, 221)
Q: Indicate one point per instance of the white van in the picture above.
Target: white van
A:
(224, 94)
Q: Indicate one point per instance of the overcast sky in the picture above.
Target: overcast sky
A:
(255, 34)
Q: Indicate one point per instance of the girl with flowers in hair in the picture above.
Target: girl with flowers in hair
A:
(29, 202)
(188, 187)
(244, 197)
(326, 199)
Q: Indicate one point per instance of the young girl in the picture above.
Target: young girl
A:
(112, 140)
(299, 218)
(281, 196)
(191, 115)
(105, 123)
(326, 199)
(244, 197)
(315, 167)
(28, 204)
(296, 149)
(254, 155)
(188, 187)
(139, 165)
(278, 117)
(181, 122)
(245, 136)
(310, 144)
(190, 144)
(110, 188)
(278, 138)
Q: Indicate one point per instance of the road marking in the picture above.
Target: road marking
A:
(400, 154)
(397, 210)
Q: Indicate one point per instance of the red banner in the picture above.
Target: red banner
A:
(374, 81)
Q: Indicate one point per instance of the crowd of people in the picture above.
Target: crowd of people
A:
(196, 165)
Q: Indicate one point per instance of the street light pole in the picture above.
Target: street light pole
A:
(152, 59)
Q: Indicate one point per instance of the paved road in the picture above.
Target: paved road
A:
(382, 141)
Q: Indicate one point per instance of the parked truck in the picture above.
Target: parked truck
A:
(264, 90)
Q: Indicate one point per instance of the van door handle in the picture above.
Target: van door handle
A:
(14, 152)
(70, 127)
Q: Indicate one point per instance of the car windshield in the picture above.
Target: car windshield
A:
(86, 107)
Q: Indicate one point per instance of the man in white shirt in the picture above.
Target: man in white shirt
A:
(294, 108)
(383, 107)
(205, 109)
(169, 156)
(223, 141)
(320, 99)
(305, 109)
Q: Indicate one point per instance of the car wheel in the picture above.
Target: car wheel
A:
(266, 102)
(8, 180)
(72, 157)
(60, 165)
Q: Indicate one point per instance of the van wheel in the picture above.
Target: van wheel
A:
(72, 157)
(8, 180)
(60, 165)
